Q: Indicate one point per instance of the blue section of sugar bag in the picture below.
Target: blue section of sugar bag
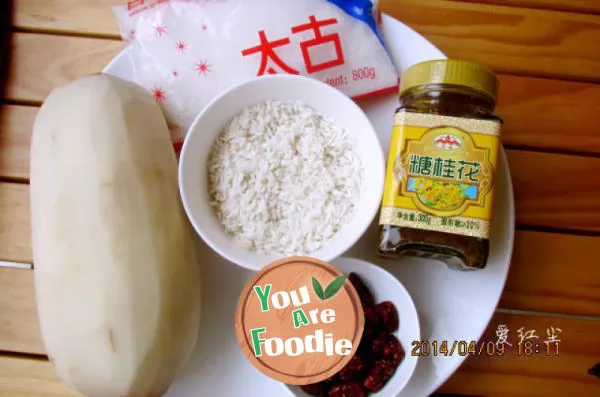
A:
(361, 10)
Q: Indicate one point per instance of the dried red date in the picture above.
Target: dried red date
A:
(316, 389)
(366, 298)
(332, 379)
(379, 352)
(350, 389)
(371, 322)
(387, 316)
(353, 369)
(393, 351)
(378, 345)
(365, 349)
(379, 375)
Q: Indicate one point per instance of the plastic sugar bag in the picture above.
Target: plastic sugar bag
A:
(187, 52)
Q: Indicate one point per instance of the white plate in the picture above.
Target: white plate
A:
(452, 305)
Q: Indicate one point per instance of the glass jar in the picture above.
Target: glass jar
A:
(441, 168)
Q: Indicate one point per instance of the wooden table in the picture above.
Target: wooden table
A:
(547, 53)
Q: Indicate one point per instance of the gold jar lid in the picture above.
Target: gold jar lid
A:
(452, 72)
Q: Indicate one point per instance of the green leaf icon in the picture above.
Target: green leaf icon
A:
(335, 286)
(317, 288)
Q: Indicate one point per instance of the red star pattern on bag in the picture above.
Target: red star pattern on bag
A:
(159, 30)
(159, 94)
(181, 46)
(203, 67)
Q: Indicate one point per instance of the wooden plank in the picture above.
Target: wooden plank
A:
(584, 6)
(19, 329)
(81, 16)
(550, 114)
(508, 39)
(512, 375)
(571, 116)
(516, 40)
(16, 123)
(556, 191)
(15, 231)
(544, 184)
(571, 110)
(549, 273)
(28, 377)
(42, 62)
(554, 273)
(499, 376)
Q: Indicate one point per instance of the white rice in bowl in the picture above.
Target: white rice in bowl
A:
(283, 178)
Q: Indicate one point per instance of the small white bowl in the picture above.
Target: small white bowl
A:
(385, 287)
(193, 176)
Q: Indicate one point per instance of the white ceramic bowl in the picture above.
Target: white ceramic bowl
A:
(193, 176)
(386, 287)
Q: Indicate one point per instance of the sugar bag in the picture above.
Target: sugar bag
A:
(187, 52)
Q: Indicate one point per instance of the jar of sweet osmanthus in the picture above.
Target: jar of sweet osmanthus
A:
(440, 178)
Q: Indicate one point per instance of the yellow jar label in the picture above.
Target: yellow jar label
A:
(440, 174)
